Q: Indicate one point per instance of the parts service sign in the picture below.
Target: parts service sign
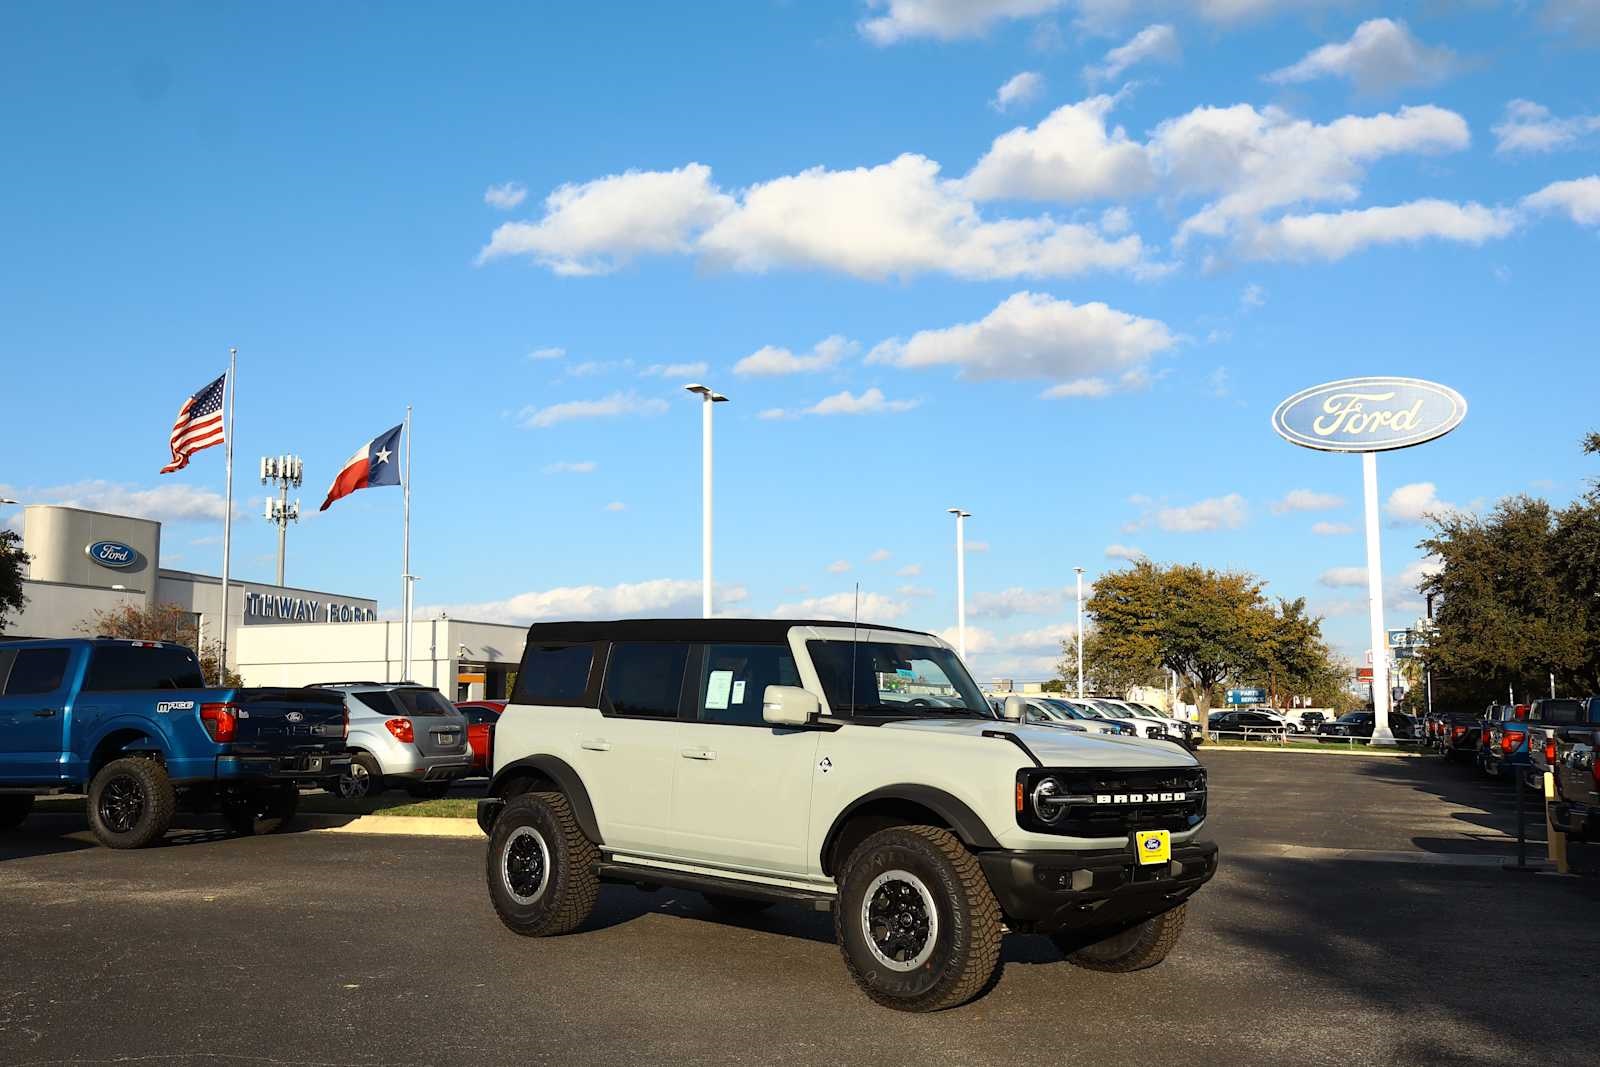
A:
(1369, 414)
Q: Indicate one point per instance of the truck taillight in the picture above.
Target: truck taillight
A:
(1459, 731)
(221, 721)
(401, 728)
(346, 724)
(1484, 738)
(1508, 742)
(1520, 711)
(1550, 752)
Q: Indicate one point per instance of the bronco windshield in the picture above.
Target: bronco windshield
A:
(883, 678)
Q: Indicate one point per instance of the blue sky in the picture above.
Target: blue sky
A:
(1068, 307)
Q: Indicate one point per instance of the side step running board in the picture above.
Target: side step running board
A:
(654, 877)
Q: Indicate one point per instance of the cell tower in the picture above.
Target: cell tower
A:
(282, 471)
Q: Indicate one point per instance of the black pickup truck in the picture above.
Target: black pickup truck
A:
(1576, 808)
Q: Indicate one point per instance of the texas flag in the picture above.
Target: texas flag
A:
(375, 463)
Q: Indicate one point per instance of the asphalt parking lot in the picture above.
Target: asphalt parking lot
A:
(1360, 917)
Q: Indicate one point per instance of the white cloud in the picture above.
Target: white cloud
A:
(1035, 336)
(599, 226)
(582, 466)
(1127, 552)
(616, 505)
(1333, 236)
(1409, 579)
(910, 570)
(871, 402)
(589, 368)
(1579, 199)
(879, 555)
(874, 607)
(838, 566)
(1307, 500)
(173, 502)
(1157, 43)
(531, 417)
(1069, 156)
(505, 196)
(773, 413)
(1253, 297)
(977, 546)
(677, 370)
(1218, 513)
(944, 20)
(1255, 161)
(1022, 88)
(1016, 601)
(656, 597)
(914, 591)
(1344, 577)
(1415, 502)
(1332, 529)
(547, 353)
(900, 219)
(1530, 127)
(772, 360)
(1381, 55)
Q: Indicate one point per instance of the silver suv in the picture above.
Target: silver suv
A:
(401, 735)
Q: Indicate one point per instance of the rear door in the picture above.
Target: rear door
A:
(34, 684)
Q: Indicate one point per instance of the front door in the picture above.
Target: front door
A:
(741, 793)
(33, 713)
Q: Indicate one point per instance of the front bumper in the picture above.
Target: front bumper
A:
(290, 767)
(1045, 892)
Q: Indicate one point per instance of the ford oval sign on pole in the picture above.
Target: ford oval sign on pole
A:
(1371, 415)
(112, 554)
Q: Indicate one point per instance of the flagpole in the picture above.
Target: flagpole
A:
(227, 516)
(405, 560)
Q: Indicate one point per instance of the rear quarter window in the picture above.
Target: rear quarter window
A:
(131, 667)
(554, 674)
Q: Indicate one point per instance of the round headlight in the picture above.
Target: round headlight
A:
(1049, 801)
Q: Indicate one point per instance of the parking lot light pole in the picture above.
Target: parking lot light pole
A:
(961, 579)
(708, 397)
(1079, 570)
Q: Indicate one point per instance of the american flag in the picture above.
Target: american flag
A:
(199, 425)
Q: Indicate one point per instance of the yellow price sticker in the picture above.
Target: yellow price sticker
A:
(1153, 846)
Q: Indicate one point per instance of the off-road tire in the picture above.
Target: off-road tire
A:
(374, 776)
(261, 811)
(736, 906)
(14, 807)
(428, 790)
(965, 956)
(567, 892)
(1142, 945)
(120, 781)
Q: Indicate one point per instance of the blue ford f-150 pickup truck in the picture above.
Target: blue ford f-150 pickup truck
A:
(133, 725)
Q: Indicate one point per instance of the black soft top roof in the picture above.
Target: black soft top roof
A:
(720, 630)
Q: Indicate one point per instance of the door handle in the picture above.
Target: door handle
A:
(699, 753)
(44, 713)
(598, 744)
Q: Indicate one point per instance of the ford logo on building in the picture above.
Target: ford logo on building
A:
(1369, 414)
(113, 554)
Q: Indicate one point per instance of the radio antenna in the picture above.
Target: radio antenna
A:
(855, 643)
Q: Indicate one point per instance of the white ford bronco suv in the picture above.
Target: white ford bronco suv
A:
(856, 769)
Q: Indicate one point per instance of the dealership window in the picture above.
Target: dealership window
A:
(734, 679)
(553, 674)
(645, 680)
(36, 670)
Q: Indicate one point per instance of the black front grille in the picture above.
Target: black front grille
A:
(1110, 803)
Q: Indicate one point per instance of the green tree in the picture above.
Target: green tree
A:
(1204, 624)
(164, 622)
(12, 562)
(1291, 658)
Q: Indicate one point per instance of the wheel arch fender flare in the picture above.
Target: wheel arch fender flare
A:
(955, 812)
(567, 782)
(124, 735)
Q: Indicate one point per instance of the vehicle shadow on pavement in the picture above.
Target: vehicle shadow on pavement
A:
(622, 904)
(28, 842)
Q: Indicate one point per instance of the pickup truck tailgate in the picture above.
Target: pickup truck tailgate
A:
(287, 720)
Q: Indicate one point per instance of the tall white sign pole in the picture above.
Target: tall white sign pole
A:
(961, 579)
(1080, 631)
(708, 397)
(227, 517)
(406, 576)
(1381, 734)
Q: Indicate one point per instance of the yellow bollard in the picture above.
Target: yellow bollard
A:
(1555, 840)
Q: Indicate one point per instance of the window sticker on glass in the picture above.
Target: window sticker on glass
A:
(717, 688)
(738, 692)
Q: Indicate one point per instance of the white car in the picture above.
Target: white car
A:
(1049, 712)
(1108, 709)
(763, 761)
(1176, 730)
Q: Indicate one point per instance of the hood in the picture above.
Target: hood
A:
(1062, 748)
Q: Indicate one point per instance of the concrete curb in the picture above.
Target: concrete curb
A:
(407, 825)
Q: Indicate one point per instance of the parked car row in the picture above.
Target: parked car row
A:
(1104, 715)
(1521, 742)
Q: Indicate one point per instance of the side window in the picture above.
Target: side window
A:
(36, 670)
(734, 679)
(554, 674)
(645, 680)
